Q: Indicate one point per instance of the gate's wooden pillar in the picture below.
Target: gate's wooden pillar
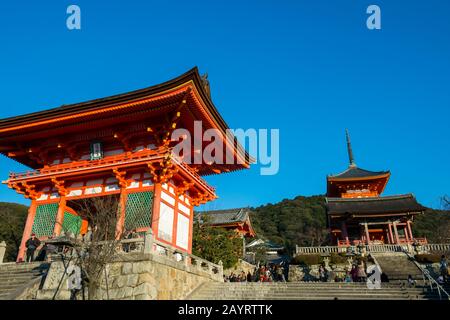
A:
(120, 225)
(27, 230)
(60, 216)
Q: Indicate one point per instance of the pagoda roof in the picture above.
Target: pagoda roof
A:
(353, 172)
(227, 218)
(398, 204)
(98, 104)
(19, 133)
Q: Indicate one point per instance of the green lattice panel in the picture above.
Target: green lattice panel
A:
(138, 210)
(44, 220)
(71, 223)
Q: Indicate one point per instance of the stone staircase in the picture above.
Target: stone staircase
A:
(308, 291)
(397, 266)
(14, 276)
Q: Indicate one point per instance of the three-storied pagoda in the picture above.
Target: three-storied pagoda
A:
(119, 146)
(357, 213)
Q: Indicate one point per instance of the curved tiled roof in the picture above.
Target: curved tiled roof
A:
(219, 217)
(355, 172)
(374, 205)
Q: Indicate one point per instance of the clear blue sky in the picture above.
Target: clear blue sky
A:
(309, 68)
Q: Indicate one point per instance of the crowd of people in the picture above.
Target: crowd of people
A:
(357, 273)
(265, 273)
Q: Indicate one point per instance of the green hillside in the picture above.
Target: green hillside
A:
(12, 222)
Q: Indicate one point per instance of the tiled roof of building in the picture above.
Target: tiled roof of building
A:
(374, 205)
(355, 172)
(220, 217)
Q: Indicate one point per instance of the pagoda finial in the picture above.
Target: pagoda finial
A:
(349, 150)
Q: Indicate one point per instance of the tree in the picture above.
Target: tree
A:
(102, 244)
(216, 244)
(12, 223)
(434, 224)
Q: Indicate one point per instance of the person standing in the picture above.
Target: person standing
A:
(361, 272)
(444, 268)
(32, 244)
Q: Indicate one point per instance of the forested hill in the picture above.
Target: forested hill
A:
(12, 222)
(302, 221)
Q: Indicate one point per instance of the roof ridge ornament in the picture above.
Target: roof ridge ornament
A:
(205, 84)
(349, 150)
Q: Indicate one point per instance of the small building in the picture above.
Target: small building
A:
(230, 219)
(357, 213)
(273, 253)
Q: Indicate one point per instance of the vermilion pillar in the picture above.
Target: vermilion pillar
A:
(191, 226)
(366, 227)
(27, 230)
(60, 216)
(155, 211)
(405, 231)
(344, 232)
(397, 240)
(121, 214)
(408, 223)
(175, 222)
(391, 237)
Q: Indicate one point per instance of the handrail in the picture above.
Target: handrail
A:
(430, 279)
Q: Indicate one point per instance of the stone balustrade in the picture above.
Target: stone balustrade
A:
(423, 248)
(2, 251)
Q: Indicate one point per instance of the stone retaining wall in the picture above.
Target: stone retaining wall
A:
(140, 277)
(240, 266)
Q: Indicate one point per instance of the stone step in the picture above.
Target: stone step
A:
(316, 298)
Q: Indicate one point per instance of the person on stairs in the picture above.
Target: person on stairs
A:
(444, 268)
(32, 244)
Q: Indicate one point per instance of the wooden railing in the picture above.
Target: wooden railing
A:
(84, 164)
(109, 161)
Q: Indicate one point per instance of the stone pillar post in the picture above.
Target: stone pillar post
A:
(2, 251)
(27, 230)
(148, 241)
